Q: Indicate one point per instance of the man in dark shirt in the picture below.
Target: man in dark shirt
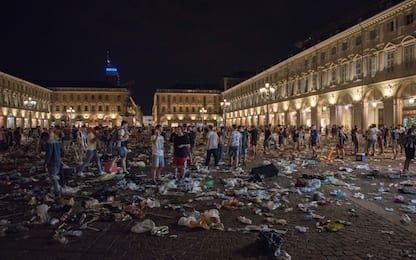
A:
(254, 136)
(181, 147)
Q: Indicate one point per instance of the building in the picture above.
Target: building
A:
(191, 106)
(93, 106)
(22, 103)
(362, 75)
(25, 104)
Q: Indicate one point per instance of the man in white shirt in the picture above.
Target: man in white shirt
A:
(212, 145)
(235, 143)
(91, 152)
(158, 154)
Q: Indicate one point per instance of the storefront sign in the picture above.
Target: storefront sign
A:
(409, 112)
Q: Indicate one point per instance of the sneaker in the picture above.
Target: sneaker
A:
(102, 173)
(81, 174)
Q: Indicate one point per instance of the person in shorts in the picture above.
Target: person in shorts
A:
(181, 147)
(235, 143)
(158, 154)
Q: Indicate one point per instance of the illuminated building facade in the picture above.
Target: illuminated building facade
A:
(365, 74)
(25, 104)
(93, 106)
(191, 106)
(22, 103)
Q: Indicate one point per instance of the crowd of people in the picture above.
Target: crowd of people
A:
(89, 145)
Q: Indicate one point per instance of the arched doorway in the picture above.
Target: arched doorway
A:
(406, 104)
(374, 107)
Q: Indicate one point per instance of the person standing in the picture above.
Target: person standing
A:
(372, 134)
(220, 134)
(53, 161)
(354, 138)
(91, 152)
(158, 153)
(342, 138)
(181, 147)
(244, 144)
(409, 148)
(395, 136)
(211, 145)
(266, 141)
(235, 143)
(314, 141)
(254, 136)
(123, 136)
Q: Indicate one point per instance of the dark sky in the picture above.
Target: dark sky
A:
(158, 43)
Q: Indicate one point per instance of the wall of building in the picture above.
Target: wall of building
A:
(90, 106)
(14, 112)
(365, 74)
(174, 106)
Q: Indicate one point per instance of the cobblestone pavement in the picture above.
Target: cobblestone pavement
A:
(374, 233)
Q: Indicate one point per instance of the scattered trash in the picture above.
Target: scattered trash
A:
(272, 241)
(245, 220)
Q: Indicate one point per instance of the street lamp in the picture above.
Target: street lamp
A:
(202, 111)
(225, 105)
(70, 110)
(30, 104)
(266, 93)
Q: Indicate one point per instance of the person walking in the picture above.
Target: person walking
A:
(91, 152)
(158, 153)
(53, 161)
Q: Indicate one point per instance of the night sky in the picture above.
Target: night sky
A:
(160, 43)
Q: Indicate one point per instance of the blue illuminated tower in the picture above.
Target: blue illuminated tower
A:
(111, 73)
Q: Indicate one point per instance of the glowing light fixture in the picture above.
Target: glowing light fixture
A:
(411, 100)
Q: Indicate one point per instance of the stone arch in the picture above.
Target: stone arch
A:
(345, 99)
(407, 39)
(406, 89)
(373, 94)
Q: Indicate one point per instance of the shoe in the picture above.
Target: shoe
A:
(81, 174)
(126, 172)
(102, 173)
